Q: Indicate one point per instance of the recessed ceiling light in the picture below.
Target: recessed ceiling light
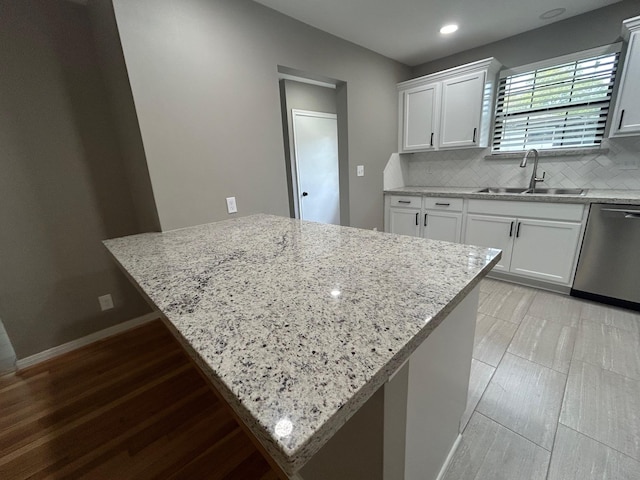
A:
(449, 28)
(556, 12)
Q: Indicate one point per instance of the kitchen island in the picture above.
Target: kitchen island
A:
(298, 325)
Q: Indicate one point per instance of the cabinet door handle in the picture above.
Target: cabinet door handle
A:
(511, 230)
(425, 219)
(404, 201)
(621, 117)
(475, 130)
(432, 139)
(439, 204)
(417, 214)
(518, 230)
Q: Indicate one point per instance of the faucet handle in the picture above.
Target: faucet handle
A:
(541, 179)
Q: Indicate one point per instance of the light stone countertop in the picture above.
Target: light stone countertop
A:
(299, 323)
(591, 196)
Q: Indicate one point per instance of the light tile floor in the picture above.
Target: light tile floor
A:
(554, 392)
(7, 355)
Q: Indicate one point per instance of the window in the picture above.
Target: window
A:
(562, 103)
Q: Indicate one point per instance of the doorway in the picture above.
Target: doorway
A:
(314, 125)
(315, 147)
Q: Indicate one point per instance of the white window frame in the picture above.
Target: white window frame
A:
(582, 55)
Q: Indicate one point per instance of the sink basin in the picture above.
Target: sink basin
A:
(502, 190)
(537, 191)
(557, 191)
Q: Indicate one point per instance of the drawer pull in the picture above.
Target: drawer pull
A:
(621, 117)
(404, 201)
(475, 130)
(443, 204)
(518, 230)
(511, 230)
(417, 213)
(425, 219)
(432, 139)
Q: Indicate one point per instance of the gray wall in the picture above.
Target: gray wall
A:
(62, 182)
(310, 97)
(204, 80)
(124, 113)
(589, 30)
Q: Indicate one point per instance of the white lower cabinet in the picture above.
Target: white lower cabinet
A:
(404, 221)
(539, 240)
(545, 249)
(446, 226)
(539, 248)
(432, 218)
(492, 232)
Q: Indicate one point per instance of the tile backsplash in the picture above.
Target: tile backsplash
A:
(619, 168)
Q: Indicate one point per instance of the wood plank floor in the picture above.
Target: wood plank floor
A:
(130, 406)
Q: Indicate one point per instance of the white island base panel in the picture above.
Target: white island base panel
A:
(409, 428)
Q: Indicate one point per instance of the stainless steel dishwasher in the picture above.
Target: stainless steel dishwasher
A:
(609, 264)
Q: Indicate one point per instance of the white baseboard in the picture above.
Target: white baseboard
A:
(32, 360)
(446, 463)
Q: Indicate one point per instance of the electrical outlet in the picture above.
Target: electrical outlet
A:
(360, 170)
(106, 302)
(231, 205)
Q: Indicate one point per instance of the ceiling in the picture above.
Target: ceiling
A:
(409, 30)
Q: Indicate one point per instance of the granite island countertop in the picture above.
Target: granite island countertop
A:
(297, 323)
(592, 195)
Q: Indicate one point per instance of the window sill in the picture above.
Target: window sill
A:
(549, 153)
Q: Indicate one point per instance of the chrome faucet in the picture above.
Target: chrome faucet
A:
(534, 176)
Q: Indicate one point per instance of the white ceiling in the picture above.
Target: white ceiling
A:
(409, 30)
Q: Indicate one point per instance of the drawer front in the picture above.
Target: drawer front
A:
(443, 203)
(551, 211)
(405, 201)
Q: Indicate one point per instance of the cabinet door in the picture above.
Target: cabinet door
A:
(493, 232)
(626, 119)
(545, 249)
(439, 225)
(419, 118)
(461, 110)
(404, 221)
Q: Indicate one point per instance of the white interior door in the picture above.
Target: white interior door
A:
(315, 137)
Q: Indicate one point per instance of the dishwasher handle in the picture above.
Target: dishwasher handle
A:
(627, 213)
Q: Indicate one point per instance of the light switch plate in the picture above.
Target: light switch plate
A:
(231, 205)
(360, 170)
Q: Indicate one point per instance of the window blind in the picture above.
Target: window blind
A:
(553, 107)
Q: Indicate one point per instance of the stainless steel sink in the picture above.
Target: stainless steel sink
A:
(537, 191)
(502, 190)
(556, 191)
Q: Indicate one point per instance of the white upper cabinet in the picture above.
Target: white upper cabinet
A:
(460, 117)
(626, 115)
(449, 109)
(419, 106)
